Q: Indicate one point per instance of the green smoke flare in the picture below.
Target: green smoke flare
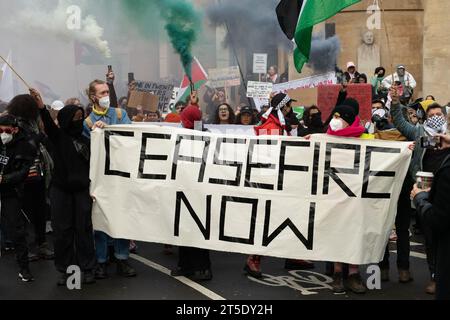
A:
(182, 23)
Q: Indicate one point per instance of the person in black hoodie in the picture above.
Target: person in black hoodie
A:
(70, 197)
(433, 209)
(312, 122)
(17, 156)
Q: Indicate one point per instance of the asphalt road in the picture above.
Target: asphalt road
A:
(229, 281)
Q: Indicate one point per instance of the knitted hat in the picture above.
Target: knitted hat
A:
(352, 103)
(346, 113)
(8, 121)
(190, 115)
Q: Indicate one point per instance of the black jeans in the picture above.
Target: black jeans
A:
(193, 259)
(402, 224)
(72, 227)
(35, 206)
(14, 222)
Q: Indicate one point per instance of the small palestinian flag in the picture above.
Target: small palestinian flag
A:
(298, 17)
(199, 79)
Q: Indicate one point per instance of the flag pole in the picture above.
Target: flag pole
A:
(235, 53)
(11, 67)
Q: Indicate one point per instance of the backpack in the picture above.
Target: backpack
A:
(119, 114)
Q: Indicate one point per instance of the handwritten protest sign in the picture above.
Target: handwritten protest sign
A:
(163, 91)
(224, 77)
(260, 90)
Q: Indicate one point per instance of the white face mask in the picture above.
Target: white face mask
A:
(104, 102)
(336, 124)
(6, 138)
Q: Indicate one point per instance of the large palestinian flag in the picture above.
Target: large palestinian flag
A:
(298, 17)
(199, 79)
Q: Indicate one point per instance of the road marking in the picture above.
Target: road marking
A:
(414, 254)
(194, 285)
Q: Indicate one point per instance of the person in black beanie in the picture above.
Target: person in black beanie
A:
(16, 158)
(70, 197)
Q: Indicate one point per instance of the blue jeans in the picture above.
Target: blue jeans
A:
(121, 247)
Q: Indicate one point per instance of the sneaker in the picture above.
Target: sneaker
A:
(393, 235)
(404, 276)
(203, 275)
(133, 247)
(291, 264)
(48, 228)
(253, 267)
(384, 275)
(338, 283)
(101, 271)
(124, 269)
(45, 253)
(88, 277)
(181, 273)
(62, 280)
(33, 257)
(355, 284)
(25, 275)
(431, 287)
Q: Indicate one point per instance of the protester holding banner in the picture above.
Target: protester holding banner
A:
(101, 116)
(70, 198)
(193, 262)
(433, 209)
(312, 122)
(17, 157)
(345, 123)
(424, 159)
(274, 123)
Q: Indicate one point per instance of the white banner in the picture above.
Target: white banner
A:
(327, 199)
(306, 83)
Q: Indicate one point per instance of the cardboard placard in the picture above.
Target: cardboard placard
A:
(163, 91)
(148, 101)
(328, 94)
(224, 77)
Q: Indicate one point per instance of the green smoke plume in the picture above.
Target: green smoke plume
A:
(182, 23)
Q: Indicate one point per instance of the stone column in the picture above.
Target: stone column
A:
(436, 50)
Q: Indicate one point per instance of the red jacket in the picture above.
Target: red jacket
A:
(270, 127)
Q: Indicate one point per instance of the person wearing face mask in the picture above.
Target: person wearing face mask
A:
(102, 115)
(312, 122)
(427, 160)
(70, 197)
(17, 155)
(345, 123)
(37, 184)
(275, 122)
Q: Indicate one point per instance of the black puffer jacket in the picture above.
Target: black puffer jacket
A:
(70, 152)
(16, 159)
(434, 210)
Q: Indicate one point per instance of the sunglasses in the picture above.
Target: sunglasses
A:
(7, 131)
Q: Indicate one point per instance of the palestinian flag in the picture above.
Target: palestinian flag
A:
(298, 17)
(199, 78)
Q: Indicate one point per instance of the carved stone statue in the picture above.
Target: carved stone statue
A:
(368, 55)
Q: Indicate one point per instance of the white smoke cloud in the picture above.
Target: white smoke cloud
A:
(34, 18)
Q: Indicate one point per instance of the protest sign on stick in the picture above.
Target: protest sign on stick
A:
(148, 101)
